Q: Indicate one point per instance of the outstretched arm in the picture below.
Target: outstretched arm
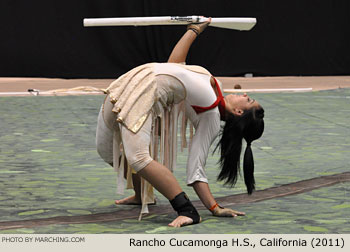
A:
(180, 51)
(203, 192)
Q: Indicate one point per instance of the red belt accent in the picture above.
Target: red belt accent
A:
(219, 102)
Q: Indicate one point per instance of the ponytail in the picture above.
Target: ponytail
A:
(249, 126)
(248, 169)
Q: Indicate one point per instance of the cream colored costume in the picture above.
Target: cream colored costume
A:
(138, 121)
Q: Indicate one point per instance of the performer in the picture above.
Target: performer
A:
(138, 120)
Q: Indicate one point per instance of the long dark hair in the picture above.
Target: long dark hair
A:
(250, 126)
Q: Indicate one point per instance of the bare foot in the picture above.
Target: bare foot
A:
(132, 200)
(181, 221)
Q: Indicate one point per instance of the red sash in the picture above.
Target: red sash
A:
(219, 102)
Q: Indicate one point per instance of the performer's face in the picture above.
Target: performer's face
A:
(237, 104)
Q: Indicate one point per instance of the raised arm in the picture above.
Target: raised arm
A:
(180, 51)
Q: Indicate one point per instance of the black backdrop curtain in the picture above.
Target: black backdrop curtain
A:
(44, 38)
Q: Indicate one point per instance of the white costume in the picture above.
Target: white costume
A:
(147, 100)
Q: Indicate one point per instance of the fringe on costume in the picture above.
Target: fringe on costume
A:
(163, 148)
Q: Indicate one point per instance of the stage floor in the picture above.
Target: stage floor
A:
(316, 83)
(49, 168)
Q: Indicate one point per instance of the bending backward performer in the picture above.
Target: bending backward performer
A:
(130, 115)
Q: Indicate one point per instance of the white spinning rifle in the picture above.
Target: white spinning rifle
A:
(242, 24)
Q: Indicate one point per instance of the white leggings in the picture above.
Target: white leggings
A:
(136, 146)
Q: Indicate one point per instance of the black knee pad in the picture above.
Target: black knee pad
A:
(183, 206)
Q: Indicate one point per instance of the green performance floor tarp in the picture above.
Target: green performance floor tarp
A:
(49, 168)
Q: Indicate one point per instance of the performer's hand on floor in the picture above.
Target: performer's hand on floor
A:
(226, 212)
